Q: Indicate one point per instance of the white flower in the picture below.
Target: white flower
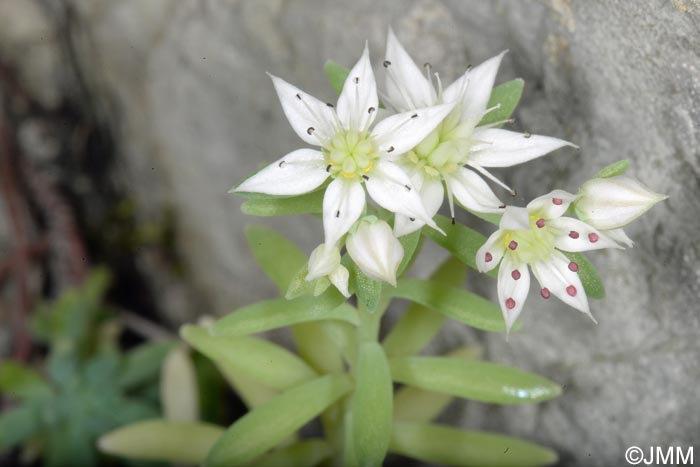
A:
(375, 250)
(533, 236)
(458, 142)
(325, 262)
(351, 153)
(611, 203)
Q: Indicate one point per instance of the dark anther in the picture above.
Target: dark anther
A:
(337, 214)
(391, 148)
(357, 80)
(370, 110)
(365, 177)
(298, 96)
(328, 168)
(386, 63)
(414, 115)
(310, 130)
(427, 65)
(502, 206)
(527, 134)
(514, 193)
(412, 219)
(453, 221)
(408, 188)
(329, 105)
(281, 163)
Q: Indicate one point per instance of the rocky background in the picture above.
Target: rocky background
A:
(139, 116)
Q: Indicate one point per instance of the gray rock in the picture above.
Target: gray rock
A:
(184, 88)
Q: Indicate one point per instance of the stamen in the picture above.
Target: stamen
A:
(281, 164)
(573, 266)
(545, 293)
(328, 168)
(453, 221)
(510, 303)
(391, 148)
(412, 219)
(513, 245)
(527, 134)
(330, 105)
(298, 96)
(386, 63)
(593, 237)
(571, 290)
(357, 80)
(557, 201)
(539, 223)
(502, 206)
(408, 188)
(310, 130)
(491, 177)
(515, 274)
(414, 115)
(365, 177)
(370, 110)
(488, 257)
(337, 213)
(427, 65)
(573, 234)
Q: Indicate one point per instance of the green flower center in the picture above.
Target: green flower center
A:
(351, 154)
(535, 244)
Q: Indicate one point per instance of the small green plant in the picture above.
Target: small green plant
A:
(84, 388)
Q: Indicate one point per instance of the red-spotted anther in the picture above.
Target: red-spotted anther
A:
(573, 266)
(571, 290)
(515, 274)
(539, 223)
(510, 303)
(557, 201)
(488, 257)
(513, 245)
(593, 237)
(573, 234)
(545, 293)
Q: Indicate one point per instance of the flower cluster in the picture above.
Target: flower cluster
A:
(423, 142)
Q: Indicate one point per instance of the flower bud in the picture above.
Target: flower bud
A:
(323, 261)
(375, 250)
(611, 203)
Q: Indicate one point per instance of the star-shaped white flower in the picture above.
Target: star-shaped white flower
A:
(458, 148)
(535, 236)
(352, 152)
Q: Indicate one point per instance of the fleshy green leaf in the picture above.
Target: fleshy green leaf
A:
(411, 244)
(162, 440)
(179, 394)
(265, 362)
(272, 314)
(437, 444)
(336, 74)
(264, 427)
(467, 307)
(278, 257)
(252, 392)
(418, 405)
(372, 406)
(18, 424)
(507, 95)
(480, 381)
(143, 363)
(614, 169)
(419, 324)
(592, 283)
(461, 241)
(309, 203)
(19, 381)
(317, 348)
(306, 453)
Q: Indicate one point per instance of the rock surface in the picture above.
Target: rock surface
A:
(183, 87)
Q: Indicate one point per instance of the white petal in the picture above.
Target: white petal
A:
(472, 191)
(552, 205)
(390, 187)
(323, 261)
(515, 218)
(609, 203)
(343, 204)
(376, 251)
(474, 88)
(503, 148)
(575, 235)
(491, 252)
(513, 287)
(555, 275)
(620, 237)
(298, 172)
(358, 102)
(432, 194)
(310, 118)
(402, 132)
(406, 86)
(339, 278)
